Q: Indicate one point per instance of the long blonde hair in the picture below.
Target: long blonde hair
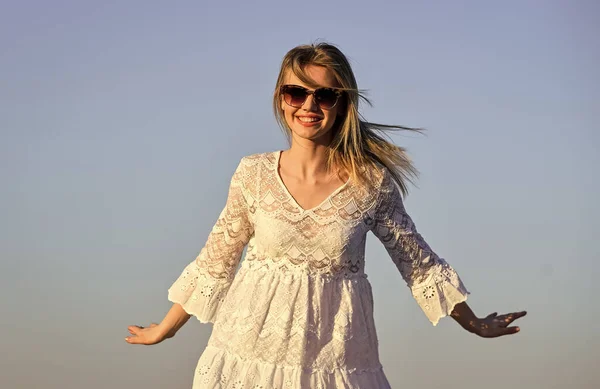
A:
(356, 143)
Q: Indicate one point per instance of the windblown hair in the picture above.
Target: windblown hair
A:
(357, 144)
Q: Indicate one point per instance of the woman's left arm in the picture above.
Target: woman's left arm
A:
(435, 285)
(492, 326)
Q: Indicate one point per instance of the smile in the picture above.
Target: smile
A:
(308, 119)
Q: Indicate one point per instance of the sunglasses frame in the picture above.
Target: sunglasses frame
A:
(338, 93)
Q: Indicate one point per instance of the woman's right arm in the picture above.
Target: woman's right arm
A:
(204, 283)
(156, 333)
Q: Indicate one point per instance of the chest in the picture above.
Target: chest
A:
(319, 239)
(321, 224)
(310, 195)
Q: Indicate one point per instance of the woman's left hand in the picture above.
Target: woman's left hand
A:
(495, 325)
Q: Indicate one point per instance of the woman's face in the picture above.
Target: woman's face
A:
(310, 121)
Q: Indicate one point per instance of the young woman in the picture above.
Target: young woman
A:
(299, 312)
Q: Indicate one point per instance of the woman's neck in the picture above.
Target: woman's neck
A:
(307, 161)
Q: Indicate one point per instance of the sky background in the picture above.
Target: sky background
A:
(122, 122)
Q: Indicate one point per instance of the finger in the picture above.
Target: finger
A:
(135, 330)
(510, 317)
(518, 315)
(504, 320)
(500, 331)
(510, 330)
(153, 325)
(492, 315)
(133, 340)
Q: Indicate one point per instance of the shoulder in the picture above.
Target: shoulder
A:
(265, 158)
(376, 176)
(384, 187)
(366, 188)
(251, 167)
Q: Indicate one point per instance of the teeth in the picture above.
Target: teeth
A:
(308, 119)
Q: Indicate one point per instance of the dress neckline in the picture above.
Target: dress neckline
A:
(287, 192)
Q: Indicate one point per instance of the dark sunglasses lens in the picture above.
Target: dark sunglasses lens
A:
(326, 98)
(294, 96)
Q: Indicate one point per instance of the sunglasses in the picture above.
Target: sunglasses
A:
(295, 96)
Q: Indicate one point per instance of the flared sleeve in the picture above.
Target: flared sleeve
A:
(435, 285)
(203, 284)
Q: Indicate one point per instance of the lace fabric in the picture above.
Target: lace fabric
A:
(435, 285)
(299, 312)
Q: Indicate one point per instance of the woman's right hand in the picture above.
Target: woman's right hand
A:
(146, 335)
(156, 333)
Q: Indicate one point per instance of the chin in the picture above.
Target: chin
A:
(309, 133)
(311, 137)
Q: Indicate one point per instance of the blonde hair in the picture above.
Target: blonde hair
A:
(356, 143)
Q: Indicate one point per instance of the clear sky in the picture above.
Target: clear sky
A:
(122, 122)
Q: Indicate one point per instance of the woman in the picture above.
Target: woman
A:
(299, 312)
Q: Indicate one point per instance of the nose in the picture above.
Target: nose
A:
(310, 104)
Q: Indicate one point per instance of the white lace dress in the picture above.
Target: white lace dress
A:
(299, 312)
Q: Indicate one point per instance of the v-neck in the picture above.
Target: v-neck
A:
(285, 189)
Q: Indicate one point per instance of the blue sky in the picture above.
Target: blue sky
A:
(122, 122)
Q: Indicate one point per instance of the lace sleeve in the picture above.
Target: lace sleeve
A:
(435, 285)
(204, 283)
